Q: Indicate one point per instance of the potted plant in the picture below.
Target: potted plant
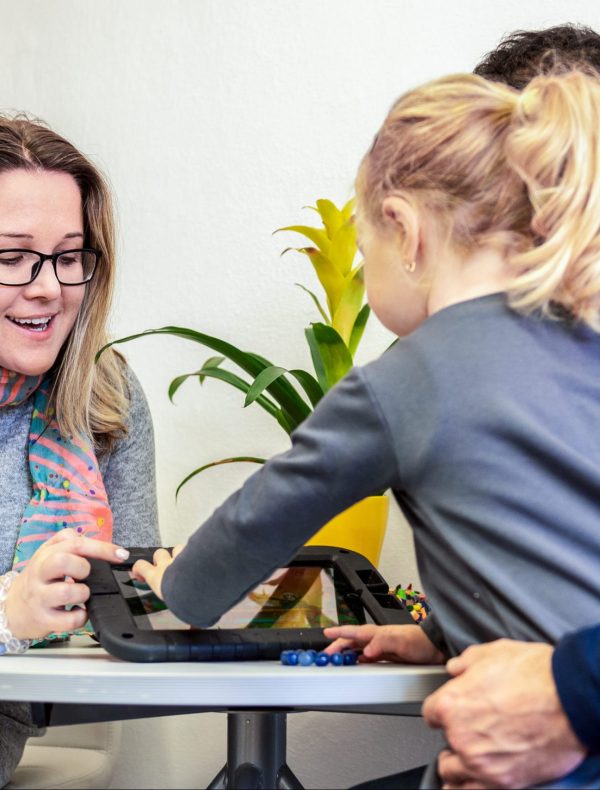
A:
(289, 396)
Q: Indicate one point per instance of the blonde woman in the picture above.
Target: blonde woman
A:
(478, 216)
(76, 440)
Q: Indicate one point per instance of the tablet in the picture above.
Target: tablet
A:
(322, 586)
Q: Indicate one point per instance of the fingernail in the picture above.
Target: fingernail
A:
(122, 554)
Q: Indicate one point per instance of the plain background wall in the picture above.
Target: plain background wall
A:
(216, 122)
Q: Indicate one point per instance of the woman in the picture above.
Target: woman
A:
(76, 439)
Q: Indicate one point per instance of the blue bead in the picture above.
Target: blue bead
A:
(350, 657)
(306, 657)
(285, 655)
(293, 658)
(322, 659)
(337, 659)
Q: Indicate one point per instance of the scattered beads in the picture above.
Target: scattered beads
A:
(413, 601)
(306, 658)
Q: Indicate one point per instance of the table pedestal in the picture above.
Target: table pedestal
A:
(256, 753)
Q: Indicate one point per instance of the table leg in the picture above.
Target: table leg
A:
(256, 747)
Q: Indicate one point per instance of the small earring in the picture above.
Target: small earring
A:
(410, 267)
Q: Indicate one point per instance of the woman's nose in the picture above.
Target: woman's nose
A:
(45, 285)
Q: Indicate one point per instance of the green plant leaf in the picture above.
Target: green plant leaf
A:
(317, 235)
(350, 305)
(295, 408)
(211, 362)
(229, 378)
(241, 458)
(310, 385)
(359, 328)
(262, 381)
(317, 303)
(330, 355)
(289, 419)
(331, 216)
(178, 381)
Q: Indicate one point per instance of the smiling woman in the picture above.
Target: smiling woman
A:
(44, 209)
(71, 432)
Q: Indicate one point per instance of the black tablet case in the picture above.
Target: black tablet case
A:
(116, 630)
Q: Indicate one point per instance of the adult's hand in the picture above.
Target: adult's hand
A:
(502, 718)
(402, 643)
(50, 581)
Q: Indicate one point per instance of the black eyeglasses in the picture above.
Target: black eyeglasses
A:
(71, 267)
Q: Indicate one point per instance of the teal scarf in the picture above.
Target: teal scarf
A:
(68, 490)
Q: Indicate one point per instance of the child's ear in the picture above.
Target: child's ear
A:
(401, 217)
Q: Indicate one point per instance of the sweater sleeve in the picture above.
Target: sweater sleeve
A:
(339, 455)
(576, 668)
(435, 634)
(130, 477)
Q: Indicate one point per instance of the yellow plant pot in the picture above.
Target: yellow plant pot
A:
(361, 528)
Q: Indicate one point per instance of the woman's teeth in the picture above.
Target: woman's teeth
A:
(35, 324)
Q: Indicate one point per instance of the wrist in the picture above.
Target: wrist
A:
(10, 642)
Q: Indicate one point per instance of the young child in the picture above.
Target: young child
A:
(478, 216)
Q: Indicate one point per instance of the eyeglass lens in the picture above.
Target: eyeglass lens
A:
(73, 267)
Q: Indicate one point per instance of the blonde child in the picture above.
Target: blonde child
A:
(479, 218)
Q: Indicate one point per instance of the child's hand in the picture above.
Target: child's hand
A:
(401, 643)
(153, 572)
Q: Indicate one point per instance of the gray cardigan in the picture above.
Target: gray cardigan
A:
(129, 478)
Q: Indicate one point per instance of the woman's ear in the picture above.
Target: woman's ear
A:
(401, 217)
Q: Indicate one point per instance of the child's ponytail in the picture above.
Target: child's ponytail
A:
(554, 146)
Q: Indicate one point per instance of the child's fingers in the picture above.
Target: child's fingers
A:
(162, 556)
(141, 569)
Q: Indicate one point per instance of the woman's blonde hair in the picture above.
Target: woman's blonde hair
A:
(520, 170)
(86, 396)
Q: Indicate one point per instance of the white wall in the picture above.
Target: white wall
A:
(217, 120)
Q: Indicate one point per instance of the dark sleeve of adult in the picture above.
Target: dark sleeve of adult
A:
(130, 477)
(339, 455)
(576, 668)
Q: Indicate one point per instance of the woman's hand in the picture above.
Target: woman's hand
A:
(153, 572)
(36, 599)
(401, 643)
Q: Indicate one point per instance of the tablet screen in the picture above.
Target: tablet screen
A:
(302, 596)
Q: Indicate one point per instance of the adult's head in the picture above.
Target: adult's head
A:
(52, 198)
(524, 54)
(469, 165)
